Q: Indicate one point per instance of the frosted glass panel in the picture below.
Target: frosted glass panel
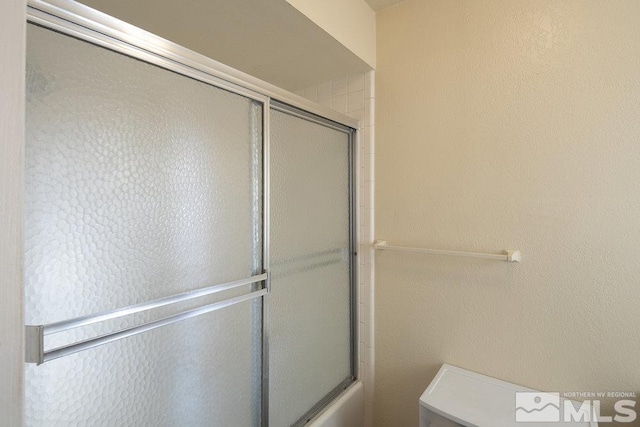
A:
(197, 372)
(140, 183)
(309, 347)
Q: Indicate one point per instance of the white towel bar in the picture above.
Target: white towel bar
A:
(509, 256)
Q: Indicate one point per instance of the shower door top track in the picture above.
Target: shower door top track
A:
(83, 22)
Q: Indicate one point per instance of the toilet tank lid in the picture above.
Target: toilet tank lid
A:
(475, 400)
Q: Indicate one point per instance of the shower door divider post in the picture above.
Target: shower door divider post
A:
(266, 198)
(353, 240)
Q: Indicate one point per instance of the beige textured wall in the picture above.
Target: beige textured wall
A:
(12, 53)
(508, 125)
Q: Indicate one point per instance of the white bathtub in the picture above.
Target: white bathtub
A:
(346, 411)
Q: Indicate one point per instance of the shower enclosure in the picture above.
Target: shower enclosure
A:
(189, 238)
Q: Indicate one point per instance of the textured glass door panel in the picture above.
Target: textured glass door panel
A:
(309, 315)
(140, 183)
(202, 371)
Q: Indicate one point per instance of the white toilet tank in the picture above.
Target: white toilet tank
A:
(457, 397)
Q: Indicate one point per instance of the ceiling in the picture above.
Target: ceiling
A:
(268, 39)
(382, 4)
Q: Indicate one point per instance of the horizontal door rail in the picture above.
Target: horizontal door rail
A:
(34, 339)
(510, 256)
(65, 325)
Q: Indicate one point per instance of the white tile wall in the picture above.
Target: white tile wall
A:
(339, 103)
(354, 95)
(340, 86)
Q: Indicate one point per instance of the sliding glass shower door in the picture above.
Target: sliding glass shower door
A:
(140, 184)
(189, 245)
(310, 314)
